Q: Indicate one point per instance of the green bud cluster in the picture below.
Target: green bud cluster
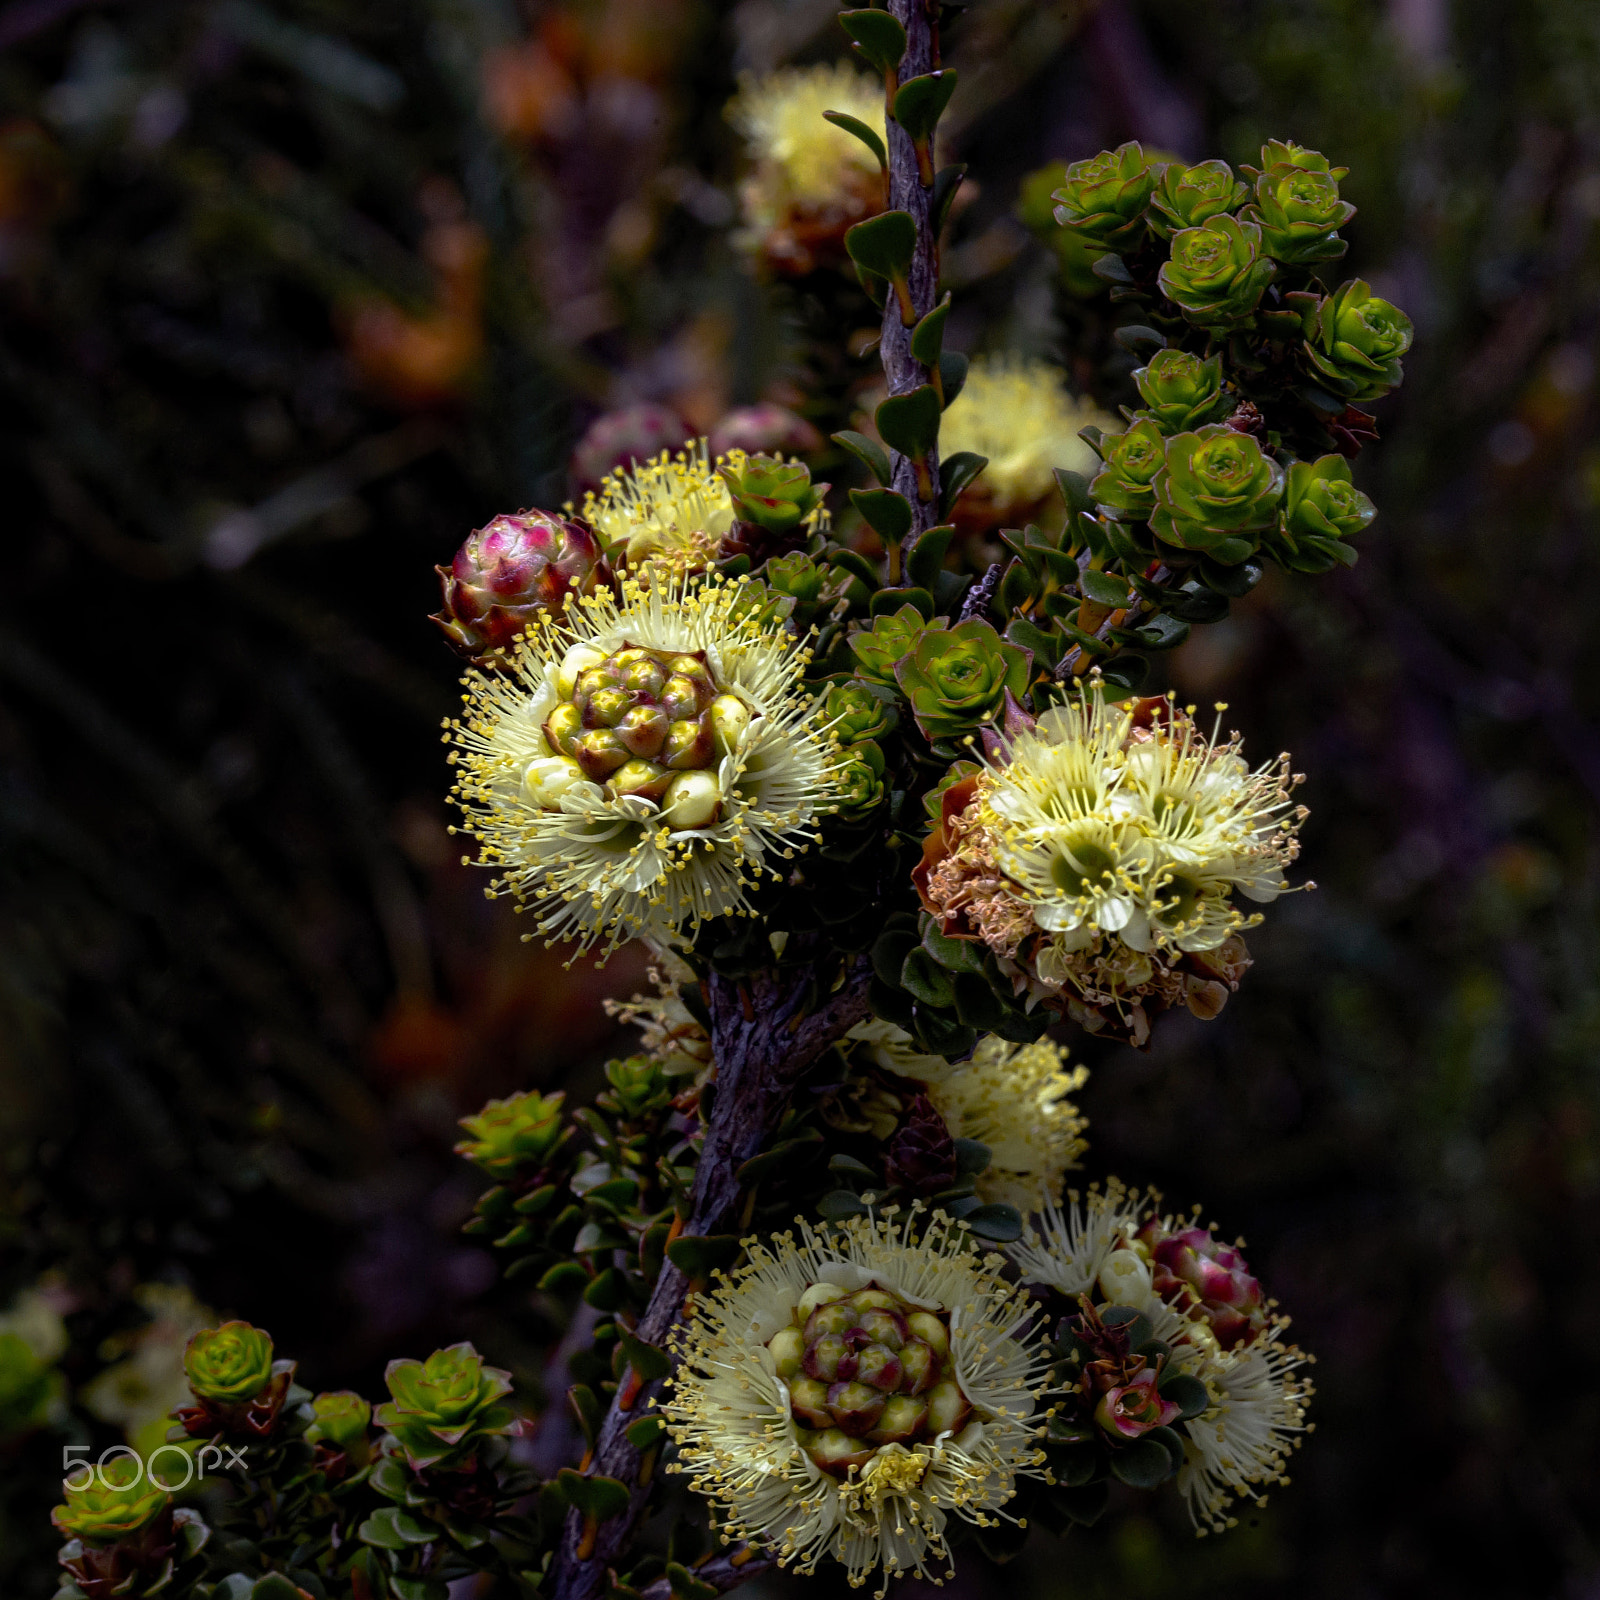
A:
(440, 1406)
(228, 1365)
(641, 722)
(774, 494)
(112, 1502)
(521, 1130)
(866, 1369)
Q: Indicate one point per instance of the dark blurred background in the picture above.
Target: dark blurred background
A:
(296, 292)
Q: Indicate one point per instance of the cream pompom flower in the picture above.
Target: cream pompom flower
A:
(1013, 1098)
(641, 763)
(809, 180)
(1017, 411)
(1112, 1247)
(665, 517)
(813, 1444)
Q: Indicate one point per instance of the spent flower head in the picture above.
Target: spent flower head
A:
(643, 761)
(1114, 1248)
(843, 1394)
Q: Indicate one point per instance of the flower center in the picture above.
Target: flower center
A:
(865, 1371)
(646, 723)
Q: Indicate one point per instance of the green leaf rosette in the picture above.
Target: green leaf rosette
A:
(115, 1502)
(442, 1404)
(890, 639)
(1103, 200)
(1187, 196)
(1181, 391)
(861, 783)
(1217, 273)
(1125, 485)
(228, 1365)
(775, 494)
(1216, 493)
(1286, 153)
(1299, 212)
(1322, 509)
(1354, 342)
(340, 1421)
(521, 1130)
(957, 680)
(856, 714)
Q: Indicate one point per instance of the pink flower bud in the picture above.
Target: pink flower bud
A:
(1135, 1408)
(509, 571)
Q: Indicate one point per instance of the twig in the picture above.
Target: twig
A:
(906, 193)
(761, 1055)
(724, 1571)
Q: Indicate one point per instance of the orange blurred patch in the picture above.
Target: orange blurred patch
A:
(528, 93)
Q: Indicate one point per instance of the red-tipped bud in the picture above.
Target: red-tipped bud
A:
(764, 430)
(624, 438)
(509, 571)
(1214, 1274)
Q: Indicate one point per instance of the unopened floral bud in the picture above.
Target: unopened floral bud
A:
(692, 800)
(947, 1407)
(788, 1349)
(764, 429)
(548, 778)
(510, 571)
(1134, 1408)
(1125, 1279)
(574, 664)
(730, 716)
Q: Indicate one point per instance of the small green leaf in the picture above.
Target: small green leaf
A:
(927, 338)
(842, 119)
(926, 557)
(952, 375)
(877, 36)
(954, 955)
(1126, 672)
(762, 1166)
(946, 181)
(868, 452)
(608, 1292)
(1103, 588)
(920, 102)
(1162, 633)
(699, 1255)
(1044, 646)
(598, 1497)
(1185, 1390)
(999, 1223)
(977, 1004)
(887, 601)
(645, 1433)
(277, 1587)
(888, 514)
(955, 473)
(971, 1157)
(585, 1406)
(883, 244)
(1112, 268)
(562, 1276)
(645, 1359)
(1074, 486)
(909, 423)
(927, 980)
(838, 1204)
(1233, 581)
(1142, 1463)
(1139, 338)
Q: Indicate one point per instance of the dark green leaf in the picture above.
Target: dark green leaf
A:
(849, 1168)
(868, 136)
(645, 1359)
(976, 1002)
(952, 374)
(926, 979)
(956, 955)
(698, 1256)
(927, 338)
(1103, 588)
(1182, 1389)
(838, 1204)
(1139, 338)
(1162, 633)
(999, 1223)
(1031, 637)
(926, 557)
(563, 1275)
(607, 1292)
(1233, 581)
(868, 452)
(877, 36)
(909, 423)
(888, 514)
(955, 473)
(585, 1406)
(1126, 672)
(887, 601)
(1142, 1463)
(760, 1167)
(971, 1157)
(1074, 487)
(883, 244)
(946, 181)
(1112, 268)
(920, 102)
